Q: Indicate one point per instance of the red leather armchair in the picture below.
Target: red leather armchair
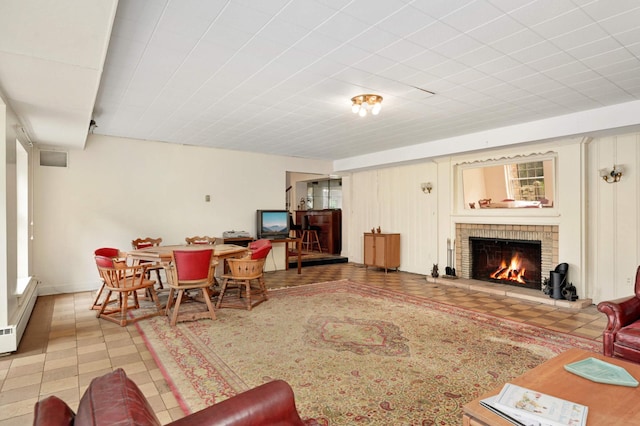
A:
(116, 399)
(621, 338)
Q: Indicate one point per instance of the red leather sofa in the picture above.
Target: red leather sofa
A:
(621, 338)
(114, 399)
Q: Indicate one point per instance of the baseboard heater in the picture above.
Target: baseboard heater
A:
(11, 335)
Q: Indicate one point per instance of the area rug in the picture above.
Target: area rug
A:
(353, 354)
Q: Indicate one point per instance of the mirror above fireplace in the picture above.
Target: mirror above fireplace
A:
(524, 182)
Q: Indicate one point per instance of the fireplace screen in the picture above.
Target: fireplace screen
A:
(512, 262)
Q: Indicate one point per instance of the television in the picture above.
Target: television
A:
(272, 224)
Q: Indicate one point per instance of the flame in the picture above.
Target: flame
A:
(513, 272)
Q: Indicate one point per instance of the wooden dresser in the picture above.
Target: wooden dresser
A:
(330, 224)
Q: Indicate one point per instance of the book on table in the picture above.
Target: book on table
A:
(522, 406)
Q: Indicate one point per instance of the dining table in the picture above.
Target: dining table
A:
(163, 253)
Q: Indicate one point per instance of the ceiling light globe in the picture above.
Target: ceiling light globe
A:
(363, 112)
(355, 108)
(376, 109)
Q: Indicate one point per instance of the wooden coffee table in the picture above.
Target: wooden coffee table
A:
(608, 404)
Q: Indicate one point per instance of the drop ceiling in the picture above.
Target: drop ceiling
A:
(277, 76)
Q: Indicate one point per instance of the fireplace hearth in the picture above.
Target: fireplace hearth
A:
(506, 261)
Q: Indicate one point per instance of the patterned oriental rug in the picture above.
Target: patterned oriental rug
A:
(353, 353)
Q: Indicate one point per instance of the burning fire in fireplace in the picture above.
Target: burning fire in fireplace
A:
(512, 272)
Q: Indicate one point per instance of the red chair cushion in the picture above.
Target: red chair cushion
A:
(260, 248)
(107, 251)
(192, 264)
(629, 335)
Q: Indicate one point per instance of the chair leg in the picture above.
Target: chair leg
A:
(263, 287)
(167, 309)
(160, 286)
(96, 305)
(247, 285)
(222, 290)
(207, 299)
(104, 305)
(176, 307)
(123, 311)
(156, 299)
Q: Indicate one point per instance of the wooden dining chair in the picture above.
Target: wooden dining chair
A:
(201, 240)
(107, 252)
(190, 270)
(140, 243)
(242, 273)
(124, 280)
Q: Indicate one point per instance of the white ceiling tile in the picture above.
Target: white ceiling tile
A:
(307, 14)
(283, 32)
(373, 40)
(595, 48)
(433, 35)
(622, 56)
(516, 42)
(446, 69)
(472, 15)
(425, 60)
(342, 27)
(317, 44)
(623, 22)
(540, 11)
(405, 21)
(545, 62)
(479, 56)
(225, 35)
(401, 50)
(242, 18)
(440, 8)
(457, 46)
(499, 28)
(565, 23)
(373, 12)
(579, 37)
(601, 10)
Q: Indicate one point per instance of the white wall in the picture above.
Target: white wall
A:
(613, 217)
(116, 190)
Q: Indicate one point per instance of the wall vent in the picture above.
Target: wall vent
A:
(53, 158)
(4, 331)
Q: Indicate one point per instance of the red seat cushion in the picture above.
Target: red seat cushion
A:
(260, 251)
(629, 335)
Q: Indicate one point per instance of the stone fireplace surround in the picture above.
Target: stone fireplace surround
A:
(546, 234)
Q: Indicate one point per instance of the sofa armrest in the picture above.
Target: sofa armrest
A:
(52, 411)
(620, 312)
(270, 404)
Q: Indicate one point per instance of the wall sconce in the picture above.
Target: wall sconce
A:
(613, 175)
(426, 187)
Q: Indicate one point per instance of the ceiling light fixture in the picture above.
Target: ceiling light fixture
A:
(362, 104)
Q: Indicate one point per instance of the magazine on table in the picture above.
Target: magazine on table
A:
(515, 419)
(527, 407)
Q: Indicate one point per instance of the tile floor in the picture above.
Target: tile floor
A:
(65, 345)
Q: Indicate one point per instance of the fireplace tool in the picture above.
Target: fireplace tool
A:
(450, 270)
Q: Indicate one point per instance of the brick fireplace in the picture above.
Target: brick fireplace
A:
(547, 235)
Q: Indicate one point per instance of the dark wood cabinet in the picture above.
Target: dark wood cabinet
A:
(330, 224)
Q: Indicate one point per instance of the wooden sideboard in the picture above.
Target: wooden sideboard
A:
(330, 224)
(382, 250)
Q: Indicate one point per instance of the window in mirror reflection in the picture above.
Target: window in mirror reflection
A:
(515, 185)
